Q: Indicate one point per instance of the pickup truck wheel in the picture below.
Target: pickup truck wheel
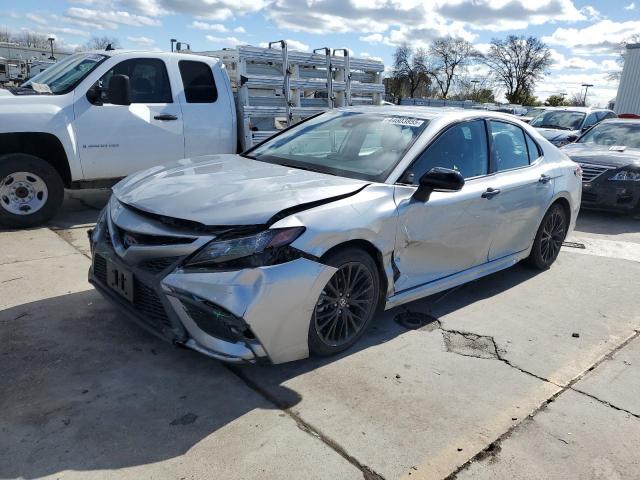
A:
(31, 190)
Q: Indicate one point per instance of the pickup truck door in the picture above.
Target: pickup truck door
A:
(116, 140)
(207, 108)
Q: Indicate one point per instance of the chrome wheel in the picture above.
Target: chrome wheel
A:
(23, 193)
(345, 304)
(553, 234)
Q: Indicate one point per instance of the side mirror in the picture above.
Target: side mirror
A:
(441, 179)
(118, 92)
(94, 95)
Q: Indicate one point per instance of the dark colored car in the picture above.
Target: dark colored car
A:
(609, 155)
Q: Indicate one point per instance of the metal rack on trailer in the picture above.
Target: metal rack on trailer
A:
(276, 87)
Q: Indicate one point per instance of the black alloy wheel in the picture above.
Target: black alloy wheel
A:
(346, 305)
(549, 238)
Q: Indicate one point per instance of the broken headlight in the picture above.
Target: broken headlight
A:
(264, 248)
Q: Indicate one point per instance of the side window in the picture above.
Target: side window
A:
(591, 120)
(462, 147)
(148, 80)
(534, 150)
(509, 146)
(606, 115)
(199, 85)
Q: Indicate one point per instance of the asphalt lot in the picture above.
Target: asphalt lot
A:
(520, 375)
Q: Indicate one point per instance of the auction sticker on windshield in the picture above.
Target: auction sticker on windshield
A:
(405, 121)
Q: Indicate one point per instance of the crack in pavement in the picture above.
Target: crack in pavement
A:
(367, 472)
(494, 447)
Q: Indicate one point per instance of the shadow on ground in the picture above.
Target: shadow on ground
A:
(84, 389)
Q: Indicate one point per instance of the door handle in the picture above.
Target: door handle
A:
(165, 116)
(491, 192)
(544, 178)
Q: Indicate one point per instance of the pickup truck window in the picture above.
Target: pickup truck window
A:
(65, 75)
(148, 79)
(199, 85)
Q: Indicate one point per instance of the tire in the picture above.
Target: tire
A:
(351, 315)
(31, 191)
(549, 238)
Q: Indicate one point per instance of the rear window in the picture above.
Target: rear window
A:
(199, 85)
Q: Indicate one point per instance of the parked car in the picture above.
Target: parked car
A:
(291, 247)
(609, 154)
(98, 116)
(565, 124)
(532, 113)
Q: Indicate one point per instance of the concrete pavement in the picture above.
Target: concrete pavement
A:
(495, 386)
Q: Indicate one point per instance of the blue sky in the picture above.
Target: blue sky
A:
(582, 34)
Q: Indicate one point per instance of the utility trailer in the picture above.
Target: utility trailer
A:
(275, 87)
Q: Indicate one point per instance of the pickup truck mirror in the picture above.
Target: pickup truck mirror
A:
(438, 178)
(118, 91)
(94, 94)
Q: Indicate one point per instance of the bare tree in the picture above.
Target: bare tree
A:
(100, 43)
(576, 99)
(448, 58)
(32, 39)
(409, 67)
(518, 62)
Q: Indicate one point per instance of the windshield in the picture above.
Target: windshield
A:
(619, 134)
(351, 144)
(66, 74)
(533, 112)
(561, 120)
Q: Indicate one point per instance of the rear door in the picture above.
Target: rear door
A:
(209, 122)
(452, 231)
(523, 185)
(116, 140)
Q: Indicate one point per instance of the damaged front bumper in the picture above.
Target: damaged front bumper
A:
(235, 316)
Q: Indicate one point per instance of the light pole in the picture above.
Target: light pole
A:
(51, 40)
(586, 89)
(173, 40)
(475, 84)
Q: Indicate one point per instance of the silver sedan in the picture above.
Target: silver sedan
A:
(291, 248)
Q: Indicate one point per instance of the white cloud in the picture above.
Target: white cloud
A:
(631, 6)
(602, 37)
(226, 41)
(239, 29)
(215, 27)
(591, 13)
(373, 38)
(142, 41)
(51, 26)
(291, 45)
(201, 9)
(497, 15)
(370, 57)
(109, 19)
(560, 62)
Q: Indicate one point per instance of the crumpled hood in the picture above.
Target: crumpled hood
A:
(218, 190)
(602, 155)
(552, 134)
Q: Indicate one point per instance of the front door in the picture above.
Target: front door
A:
(452, 231)
(116, 140)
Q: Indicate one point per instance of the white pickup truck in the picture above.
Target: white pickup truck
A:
(98, 116)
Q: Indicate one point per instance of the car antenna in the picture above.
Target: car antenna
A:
(109, 48)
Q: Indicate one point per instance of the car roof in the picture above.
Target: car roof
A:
(428, 113)
(580, 109)
(634, 121)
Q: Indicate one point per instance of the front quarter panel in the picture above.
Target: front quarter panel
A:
(369, 216)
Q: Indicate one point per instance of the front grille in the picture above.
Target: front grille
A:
(156, 265)
(145, 300)
(591, 172)
(130, 239)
